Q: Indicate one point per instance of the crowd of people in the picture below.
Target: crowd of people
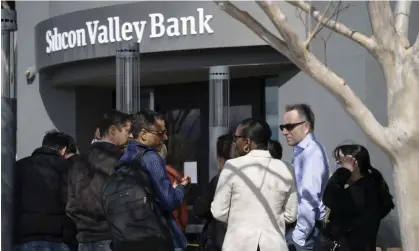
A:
(121, 195)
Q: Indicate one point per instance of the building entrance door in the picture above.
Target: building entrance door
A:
(186, 108)
(246, 100)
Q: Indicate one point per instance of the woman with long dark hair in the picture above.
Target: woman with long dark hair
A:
(256, 193)
(358, 198)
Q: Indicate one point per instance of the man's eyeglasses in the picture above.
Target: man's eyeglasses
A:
(290, 127)
(157, 133)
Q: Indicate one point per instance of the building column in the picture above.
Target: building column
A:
(8, 120)
(219, 105)
(272, 112)
(128, 77)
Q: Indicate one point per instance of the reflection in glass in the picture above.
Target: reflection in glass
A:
(183, 132)
(238, 114)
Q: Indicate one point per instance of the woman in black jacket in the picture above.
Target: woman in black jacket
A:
(214, 231)
(356, 210)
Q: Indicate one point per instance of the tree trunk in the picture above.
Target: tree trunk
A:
(406, 177)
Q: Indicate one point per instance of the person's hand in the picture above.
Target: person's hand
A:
(348, 162)
(175, 183)
(186, 180)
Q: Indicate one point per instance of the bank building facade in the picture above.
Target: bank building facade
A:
(187, 60)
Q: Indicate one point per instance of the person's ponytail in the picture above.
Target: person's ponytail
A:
(386, 198)
(275, 149)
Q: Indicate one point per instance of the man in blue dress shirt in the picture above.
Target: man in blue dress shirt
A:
(312, 172)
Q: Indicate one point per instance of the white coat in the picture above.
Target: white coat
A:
(256, 195)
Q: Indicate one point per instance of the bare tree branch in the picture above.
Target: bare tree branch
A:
(337, 18)
(330, 34)
(340, 28)
(336, 13)
(308, 63)
(300, 16)
(382, 25)
(278, 18)
(318, 26)
(401, 19)
(254, 26)
(388, 49)
(350, 102)
(325, 52)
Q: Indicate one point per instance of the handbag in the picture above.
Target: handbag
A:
(324, 243)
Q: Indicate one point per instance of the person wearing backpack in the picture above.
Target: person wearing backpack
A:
(139, 198)
(88, 175)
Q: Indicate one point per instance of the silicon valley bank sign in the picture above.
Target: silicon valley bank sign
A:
(114, 31)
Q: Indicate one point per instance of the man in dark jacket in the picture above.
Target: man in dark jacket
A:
(87, 177)
(41, 195)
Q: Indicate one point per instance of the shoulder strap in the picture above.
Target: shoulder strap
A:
(142, 172)
(140, 155)
(148, 186)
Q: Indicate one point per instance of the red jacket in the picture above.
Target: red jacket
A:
(181, 214)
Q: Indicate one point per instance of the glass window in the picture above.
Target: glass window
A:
(184, 129)
(146, 99)
(237, 114)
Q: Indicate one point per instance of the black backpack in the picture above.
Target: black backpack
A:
(136, 220)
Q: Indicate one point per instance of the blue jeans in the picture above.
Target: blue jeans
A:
(41, 246)
(310, 241)
(96, 246)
